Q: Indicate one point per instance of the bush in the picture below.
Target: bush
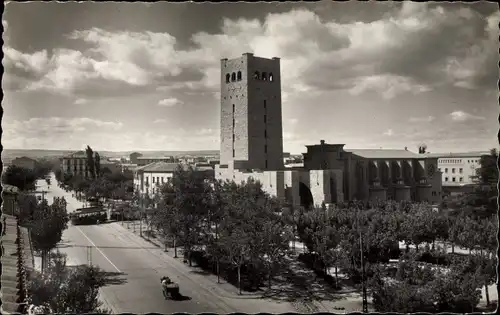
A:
(433, 257)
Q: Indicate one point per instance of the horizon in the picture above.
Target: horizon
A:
(140, 78)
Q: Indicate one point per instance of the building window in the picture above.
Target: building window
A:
(234, 108)
(265, 118)
(453, 179)
(256, 75)
(265, 148)
(158, 179)
(434, 193)
(265, 133)
(228, 78)
(239, 76)
(233, 153)
(446, 170)
(446, 179)
(461, 179)
(439, 169)
(162, 180)
(264, 76)
(233, 137)
(266, 163)
(271, 78)
(265, 104)
(233, 77)
(453, 170)
(461, 170)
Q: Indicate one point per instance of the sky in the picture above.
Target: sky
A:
(146, 76)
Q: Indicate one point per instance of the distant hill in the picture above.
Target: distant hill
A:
(8, 155)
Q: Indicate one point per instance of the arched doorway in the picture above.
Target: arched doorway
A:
(306, 198)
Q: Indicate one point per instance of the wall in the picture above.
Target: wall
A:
(151, 187)
(467, 164)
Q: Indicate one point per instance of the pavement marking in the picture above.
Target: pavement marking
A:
(100, 251)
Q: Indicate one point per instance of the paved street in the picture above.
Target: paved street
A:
(136, 267)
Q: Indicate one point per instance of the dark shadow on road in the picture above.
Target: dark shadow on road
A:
(296, 282)
(200, 271)
(112, 278)
(181, 297)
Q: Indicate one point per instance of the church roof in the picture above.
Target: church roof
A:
(385, 154)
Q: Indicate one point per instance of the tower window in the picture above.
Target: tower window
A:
(271, 78)
(239, 75)
(233, 108)
(265, 133)
(264, 76)
(265, 103)
(233, 77)
(265, 118)
(266, 163)
(256, 75)
(265, 148)
(233, 153)
(228, 76)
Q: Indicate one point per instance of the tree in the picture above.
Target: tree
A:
(97, 164)
(47, 225)
(487, 174)
(22, 178)
(64, 289)
(90, 161)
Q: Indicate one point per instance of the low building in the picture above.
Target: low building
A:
(110, 166)
(148, 178)
(24, 162)
(458, 170)
(134, 156)
(145, 160)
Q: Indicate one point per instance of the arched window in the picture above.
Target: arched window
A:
(239, 75)
(228, 76)
(256, 75)
(271, 78)
(233, 77)
(264, 76)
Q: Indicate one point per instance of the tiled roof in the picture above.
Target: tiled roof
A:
(458, 154)
(79, 154)
(164, 167)
(9, 189)
(385, 154)
(155, 158)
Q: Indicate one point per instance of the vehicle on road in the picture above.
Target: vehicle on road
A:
(87, 216)
(169, 288)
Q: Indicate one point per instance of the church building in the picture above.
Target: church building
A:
(252, 146)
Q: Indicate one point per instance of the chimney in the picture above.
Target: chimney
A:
(322, 142)
(406, 148)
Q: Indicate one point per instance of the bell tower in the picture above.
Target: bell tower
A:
(251, 116)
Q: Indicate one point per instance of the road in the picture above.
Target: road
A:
(136, 267)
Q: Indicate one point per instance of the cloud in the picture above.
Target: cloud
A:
(389, 132)
(411, 50)
(169, 102)
(81, 101)
(461, 116)
(206, 131)
(422, 119)
(159, 121)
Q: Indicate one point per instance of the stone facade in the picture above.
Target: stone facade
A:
(251, 125)
(251, 119)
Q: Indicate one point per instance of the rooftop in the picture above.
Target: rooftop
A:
(155, 158)
(164, 167)
(78, 154)
(385, 154)
(458, 154)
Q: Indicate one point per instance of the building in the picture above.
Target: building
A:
(134, 156)
(458, 170)
(252, 146)
(147, 178)
(145, 160)
(111, 166)
(75, 164)
(24, 162)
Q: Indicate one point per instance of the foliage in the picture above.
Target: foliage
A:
(90, 161)
(48, 223)
(22, 178)
(66, 289)
(487, 174)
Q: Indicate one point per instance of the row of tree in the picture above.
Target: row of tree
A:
(242, 225)
(25, 178)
